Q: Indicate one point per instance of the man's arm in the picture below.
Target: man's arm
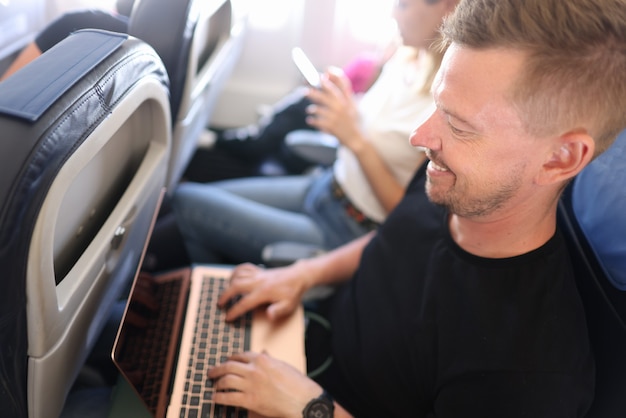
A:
(281, 288)
(335, 266)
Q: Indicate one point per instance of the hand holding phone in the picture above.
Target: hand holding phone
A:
(306, 67)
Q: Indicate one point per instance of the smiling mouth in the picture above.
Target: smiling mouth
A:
(437, 167)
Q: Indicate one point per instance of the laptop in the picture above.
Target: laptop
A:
(172, 332)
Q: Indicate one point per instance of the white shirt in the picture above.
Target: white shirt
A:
(389, 111)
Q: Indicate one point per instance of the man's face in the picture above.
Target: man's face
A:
(482, 160)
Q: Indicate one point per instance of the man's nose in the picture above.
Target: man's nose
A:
(425, 135)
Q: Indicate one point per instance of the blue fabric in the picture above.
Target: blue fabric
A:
(33, 91)
(599, 202)
(234, 220)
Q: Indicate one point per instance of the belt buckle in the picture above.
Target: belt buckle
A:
(336, 190)
(352, 211)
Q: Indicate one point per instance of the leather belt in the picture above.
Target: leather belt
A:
(352, 211)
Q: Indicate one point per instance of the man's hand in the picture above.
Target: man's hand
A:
(281, 289)
(262, 384)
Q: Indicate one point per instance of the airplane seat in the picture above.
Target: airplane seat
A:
(124, 7)
(592, 214)
(86, 136)
(200, 48)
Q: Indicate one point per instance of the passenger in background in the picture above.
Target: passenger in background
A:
(259, 148)
(60, 28)
(232, 221)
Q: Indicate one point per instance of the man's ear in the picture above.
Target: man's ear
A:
(571, 153)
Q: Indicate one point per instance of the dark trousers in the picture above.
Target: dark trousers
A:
(261, 154)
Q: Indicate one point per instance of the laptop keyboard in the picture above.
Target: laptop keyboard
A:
(214, 340)
(152, 316)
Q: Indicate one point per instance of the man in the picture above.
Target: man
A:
(463, 303)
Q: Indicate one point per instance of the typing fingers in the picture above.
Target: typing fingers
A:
(236, 365)
(246, 303)
(241, 281)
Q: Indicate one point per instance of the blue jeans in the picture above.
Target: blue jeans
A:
(233, 220)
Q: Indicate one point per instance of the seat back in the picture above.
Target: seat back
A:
(199, 41)
(592, 214)
(85, 143)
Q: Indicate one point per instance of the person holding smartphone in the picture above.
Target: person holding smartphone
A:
(233, 220)
(245, 151)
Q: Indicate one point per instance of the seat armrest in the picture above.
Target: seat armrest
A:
(283, 253)
(314, 146)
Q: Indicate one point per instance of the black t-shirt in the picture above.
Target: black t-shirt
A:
(425, 329)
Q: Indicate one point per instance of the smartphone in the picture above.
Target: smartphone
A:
(306, 67)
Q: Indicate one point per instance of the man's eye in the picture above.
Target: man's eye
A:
(454, 130)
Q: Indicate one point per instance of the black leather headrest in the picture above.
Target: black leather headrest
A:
(49, 107)
(31, 92)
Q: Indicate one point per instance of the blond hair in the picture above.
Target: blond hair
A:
(575, 75)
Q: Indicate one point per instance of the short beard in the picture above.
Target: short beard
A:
(473, 207)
